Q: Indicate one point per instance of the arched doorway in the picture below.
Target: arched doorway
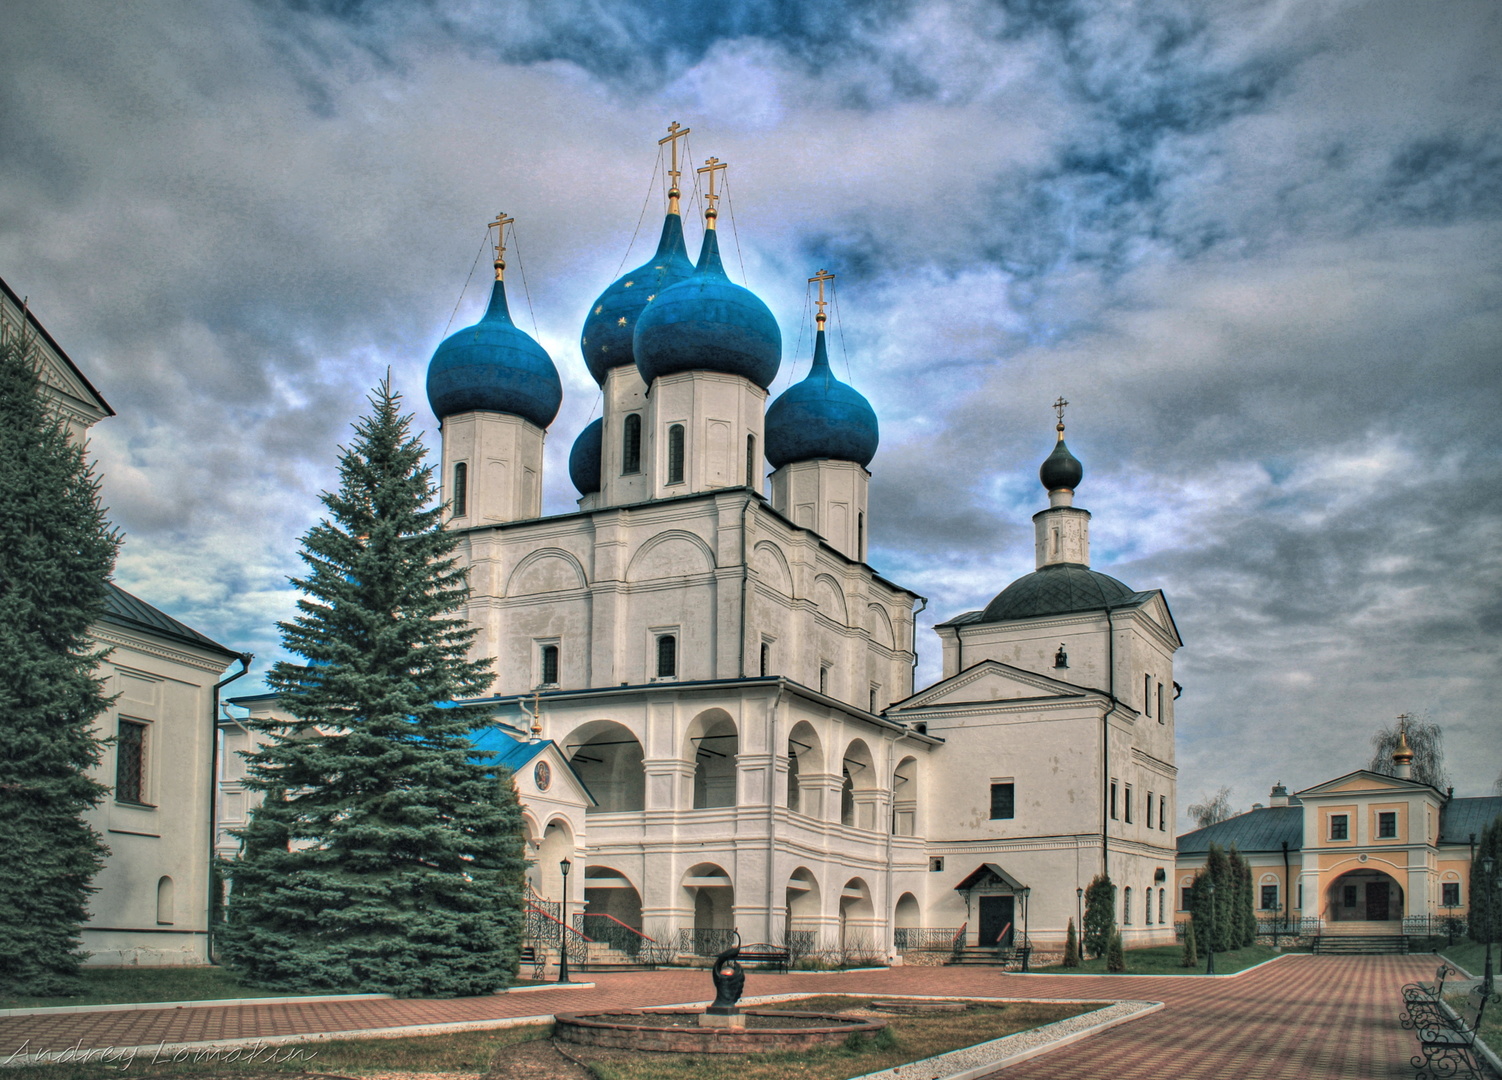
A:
(713, 743)
(803, 910)
(906, 917)
(557, 844)
(805, 755)
(1364, 895)
(858, 791)
(608, 758)
(858, 919)
(612, 910)
(711, 895)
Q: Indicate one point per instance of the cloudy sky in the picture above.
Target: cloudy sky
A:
(1255, 244)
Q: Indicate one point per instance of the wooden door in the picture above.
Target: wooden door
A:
(996, 920)
(1376, 901)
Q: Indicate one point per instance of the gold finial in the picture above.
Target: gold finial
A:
(534, 713)
(675, 132)
(1058, 407)
(821, 277)
(499, 225)
(711, 166)
(1403, 755)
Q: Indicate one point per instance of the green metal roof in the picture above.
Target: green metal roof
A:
(123, 609)
(1462, 817)
(1263, 829)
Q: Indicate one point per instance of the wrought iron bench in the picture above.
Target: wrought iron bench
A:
(762, 954)
(1429, 991)
(1447, 1042)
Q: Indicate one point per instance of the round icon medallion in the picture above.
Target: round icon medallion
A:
(543, 775)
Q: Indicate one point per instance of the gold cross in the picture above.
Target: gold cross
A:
(1403, 719)
(1058, 407)
(711, 166)
(821, 277)
(499, 225)
(675, 132)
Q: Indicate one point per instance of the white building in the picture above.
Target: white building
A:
(153, 894)
(731, 683)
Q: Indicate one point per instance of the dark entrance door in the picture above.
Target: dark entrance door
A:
(996, 920)
(1376, 900)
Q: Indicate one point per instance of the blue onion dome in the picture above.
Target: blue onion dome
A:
(1056, 590)
(584, 458)
(1061, 469)
(606, 340)
(493, 366)
(708, 323)
(821, 417)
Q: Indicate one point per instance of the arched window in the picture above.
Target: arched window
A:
(631, 445)
(1126, 906)
(860, 535)
(460, 501)
(549, 665)
(1162, 899)
(667, 657)
(675, 454)
(1149, 919)
(751, 462)
(165, 901)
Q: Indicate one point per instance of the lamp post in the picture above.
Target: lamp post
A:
(564, 866)
(1491, 929)
(1079, 918)
(1210, 930)
(1027, 948)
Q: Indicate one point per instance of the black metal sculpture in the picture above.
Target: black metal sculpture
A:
(729, 978)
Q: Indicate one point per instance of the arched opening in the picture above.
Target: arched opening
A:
(460, 502)
(712, 896)
(751, 461)
(713, 742)
(608, 758)
(166, 902)
(803, 909)
(557, 845)
(857, 918)
(905, 798)
(858, 791)
(805, 754)
(1364, 896)
(612, 910)
(631, 444)
(1126, 906)
(675, 454)
(906, 918)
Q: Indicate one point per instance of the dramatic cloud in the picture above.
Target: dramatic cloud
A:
(1255, 244)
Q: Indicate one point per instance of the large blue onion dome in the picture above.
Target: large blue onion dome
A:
(821, 417)
(708, 323)
(584, 458)
(1056, 590)
(606, 340)
(493, 366)
(1061, 469)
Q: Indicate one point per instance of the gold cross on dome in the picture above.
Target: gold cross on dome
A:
(499, 225)
(1059, 406)
(821, 277)
(675, 132)
(712, 166)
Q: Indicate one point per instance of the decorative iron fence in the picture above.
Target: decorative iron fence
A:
(1435, 925)
(703, 942)
(543, 930)
(924, 938)
(1266, 928)
(611, 932)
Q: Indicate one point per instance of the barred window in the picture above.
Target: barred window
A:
(549, 665)
(667, 656)
(631, 445)
(1003, 801)
(130, 762)
(675, 454)
(751, 461)
(460, 500)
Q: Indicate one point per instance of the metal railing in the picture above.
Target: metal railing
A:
(544, 929)
(923, 938)
(697, 941)
(1436, 925)
(610, 931)
(957, 943)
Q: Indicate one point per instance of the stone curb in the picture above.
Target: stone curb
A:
(1150, 974)
(214, 1003)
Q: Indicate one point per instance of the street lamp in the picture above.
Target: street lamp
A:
(1079, 917)
(1024, 892)
(564, 865)
(1210, 930)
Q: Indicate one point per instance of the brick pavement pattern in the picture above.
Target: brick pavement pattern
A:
(1299, 1018)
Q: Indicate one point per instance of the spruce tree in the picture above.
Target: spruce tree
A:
(1485, 915)
(385, 858)
(56, 555)
(1191, 957)
(1100, 915)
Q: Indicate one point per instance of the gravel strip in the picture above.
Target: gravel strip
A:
(982, 1058)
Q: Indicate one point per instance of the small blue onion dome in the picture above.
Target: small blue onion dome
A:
(493, 366)
(821, 417)
(584, 458)
(1061, 469)
(606, 340)
(708, 323)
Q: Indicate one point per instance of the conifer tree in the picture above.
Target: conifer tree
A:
(1100, 915)
(1219, 905)
(1072, 947)
(1116, 955)
(56, 555)
(1485, 914)
(1191, 957)
(385, 858)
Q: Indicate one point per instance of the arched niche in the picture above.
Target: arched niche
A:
(905, 798)
(612, 907)
(674, 553)
(544, 571)
(557, 844)
(829, 598)
(713, 742)
(608, 758)
(771, 568)
(710, 894)
(805, 756)
(880, 625)
(860, 786)
(906, 917)
(857, 917)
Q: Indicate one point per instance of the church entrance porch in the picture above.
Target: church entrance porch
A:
(1364, 896)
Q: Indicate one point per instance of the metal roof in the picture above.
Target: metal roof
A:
(123, 609)
(1263, 829)
(1462, 817)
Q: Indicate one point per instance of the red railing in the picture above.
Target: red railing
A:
(623, 926)
(533, 909)
(1003, 934)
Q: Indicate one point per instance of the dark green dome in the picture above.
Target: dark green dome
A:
(1061, 469)
(1056, 590)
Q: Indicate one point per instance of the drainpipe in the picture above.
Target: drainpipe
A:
(1105, 749)
(245, 659)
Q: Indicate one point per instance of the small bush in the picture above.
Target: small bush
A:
(1072, 948)
(1116, 955)
(1191, 949)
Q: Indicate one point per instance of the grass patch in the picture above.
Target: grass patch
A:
(906, 1039)
(1467, 954)
(459, 1052)
(1164, 960)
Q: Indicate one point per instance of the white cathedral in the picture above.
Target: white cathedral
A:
(706, 693)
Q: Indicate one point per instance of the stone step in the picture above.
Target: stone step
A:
(1367, 944)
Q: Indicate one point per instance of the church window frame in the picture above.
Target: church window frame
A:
(751, 462)
(1269, 897)
(860, 535)
(631, 444)
(1127, 800)
(549, 658)
(1113, 799)
(1162, 905)
(1162, 813)
(875, 696)
(1126, 906)
(1387, 825)
(1340, 826)
(1149, 811)
(677, 453)
(1004, 800)
(131, 748)
(1161, 718)
(666, 655)
(1147, 695)
(460, 502)
(166, 901)
(824, 666)
(1449, 894)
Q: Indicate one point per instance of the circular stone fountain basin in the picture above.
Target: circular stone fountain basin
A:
(678, 1031)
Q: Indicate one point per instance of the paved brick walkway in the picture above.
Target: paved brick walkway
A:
(1300, 1018)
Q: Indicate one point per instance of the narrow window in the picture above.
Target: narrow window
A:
(1451, 897)
(675, 454)
(1300, 895)
(1160, 703)
(1149, 809)
(631, 445)
(1147, 694)
(667, 657)
(860, 535)
(1269, 898)
(1148, 917)
(766, 658)
(1340, 827)
(1113, 800)
(549, 665)
(936, 864)
(1387, 825)
(751, 462)
(1185, 892)
(130, 762)
(1129, 804)
(1003, 801)
(1126, 906)
(875, 689)
(165, 901)
(461, 489)
(823, 678)
(1162, 900)
(1162, 813)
